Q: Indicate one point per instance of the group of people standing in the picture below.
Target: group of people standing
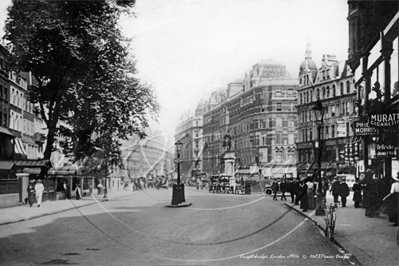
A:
(372, 194)
(302, 192)
(379, 196)
(35, 190)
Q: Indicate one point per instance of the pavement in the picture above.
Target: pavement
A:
(368, 241)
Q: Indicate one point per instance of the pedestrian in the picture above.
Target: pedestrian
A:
(357, 193)
(295, 189)
(64, 190)
(39, 188)
(310, 191)
(283, 188)
(373, 195)
(78, 195)
(334, 190)
(289, 185)
(303, 196)
(343, 191)
(392, 200)
(274, 189)
(31, 192)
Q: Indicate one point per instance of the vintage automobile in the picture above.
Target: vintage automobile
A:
(220, 184)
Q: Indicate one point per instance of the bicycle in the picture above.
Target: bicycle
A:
(330, 220)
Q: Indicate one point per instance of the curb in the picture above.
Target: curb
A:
(179, 205)
(352, 259)
(54, 212)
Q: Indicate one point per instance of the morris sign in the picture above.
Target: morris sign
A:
(363, 129)
(384, 120)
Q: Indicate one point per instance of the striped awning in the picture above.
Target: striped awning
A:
(19, 147)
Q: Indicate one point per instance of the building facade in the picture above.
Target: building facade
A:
(331, 84)
(373, 57)
(259, 116)
(149, 157)
(190, 132)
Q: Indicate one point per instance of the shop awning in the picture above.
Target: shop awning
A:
(6, 165)
(34, 171)
(33, 163)
(5, 131)
(279, 170)
(65, 170)
(28, 140)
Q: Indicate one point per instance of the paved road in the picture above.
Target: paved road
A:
(218, 229)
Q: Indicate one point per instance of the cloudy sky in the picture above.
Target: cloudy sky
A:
(188, 48)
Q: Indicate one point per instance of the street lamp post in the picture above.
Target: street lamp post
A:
(318, 111)
(178, 189)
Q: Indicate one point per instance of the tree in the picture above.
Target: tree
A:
(85, 76)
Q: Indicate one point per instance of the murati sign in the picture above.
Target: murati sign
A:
(384, 120)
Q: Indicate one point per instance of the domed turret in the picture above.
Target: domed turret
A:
(308, 63)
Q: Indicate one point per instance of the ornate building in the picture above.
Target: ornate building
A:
(332, 84)
(373, 57)
(258, 114)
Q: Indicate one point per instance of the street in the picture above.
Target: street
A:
(217, 229)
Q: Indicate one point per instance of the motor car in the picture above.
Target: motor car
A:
(350, 179)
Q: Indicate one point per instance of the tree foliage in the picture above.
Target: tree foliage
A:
(85, 75)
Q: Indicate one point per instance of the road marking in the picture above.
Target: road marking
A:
(225, 208)
(188, 260)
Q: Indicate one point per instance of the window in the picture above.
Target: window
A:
(291, 139)
(279, 106)
(334, 91)
(328, 92)
(333, 131)
(348, 87)
(278, 138)
(341, 88)
(279, 123)
(333, 111)
(324, 92)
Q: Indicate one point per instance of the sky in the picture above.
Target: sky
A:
(186, 49)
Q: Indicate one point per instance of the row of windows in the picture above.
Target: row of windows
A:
(326, 132)
(334, 110)
(324, 93)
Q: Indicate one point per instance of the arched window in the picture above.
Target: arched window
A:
(341, 87)
(324, 93)
(300, 98)
(328, 91)
(333, 91)
(307, 97)
(318, 94)
(348, 87)
(311, 96)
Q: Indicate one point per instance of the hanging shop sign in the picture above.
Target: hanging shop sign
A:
(384, 120)
(363, 129)
(341, 129)
(384, 150)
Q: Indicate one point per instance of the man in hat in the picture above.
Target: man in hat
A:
(31, 192)
(39, 188)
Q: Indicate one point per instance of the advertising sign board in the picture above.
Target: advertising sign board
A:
(384, 120)
(363, 129)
